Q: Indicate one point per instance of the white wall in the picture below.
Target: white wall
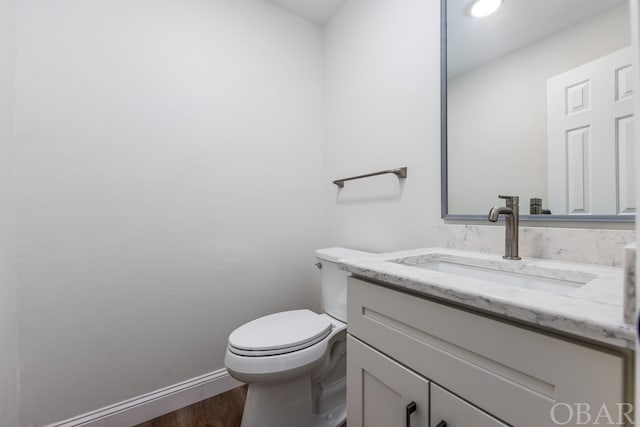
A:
(8, 325)
(8, 319)
(382, 111)
(168, 171)
(497, 114)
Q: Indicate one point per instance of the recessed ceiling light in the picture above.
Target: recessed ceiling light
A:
(482, 8)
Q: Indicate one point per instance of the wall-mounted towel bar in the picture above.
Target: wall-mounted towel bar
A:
(401, 173)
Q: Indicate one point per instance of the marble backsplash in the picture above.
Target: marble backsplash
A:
(592, 246)
(629, 265)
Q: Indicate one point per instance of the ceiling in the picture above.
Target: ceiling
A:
(317, 11)
(473, 42)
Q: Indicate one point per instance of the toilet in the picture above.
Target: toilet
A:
(295, 361)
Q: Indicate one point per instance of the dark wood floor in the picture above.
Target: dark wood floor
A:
(224, 410)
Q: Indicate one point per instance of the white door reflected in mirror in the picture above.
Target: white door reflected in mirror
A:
(590, 138)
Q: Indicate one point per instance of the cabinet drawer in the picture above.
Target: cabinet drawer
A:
(514, 373)
(455, 412)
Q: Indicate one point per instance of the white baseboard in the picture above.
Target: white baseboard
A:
(152, 405)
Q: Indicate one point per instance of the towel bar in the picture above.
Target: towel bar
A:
(401, 173)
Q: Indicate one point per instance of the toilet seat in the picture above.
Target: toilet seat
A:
(279, 333)
(287, 364)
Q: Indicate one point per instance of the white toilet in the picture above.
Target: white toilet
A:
(294, 361)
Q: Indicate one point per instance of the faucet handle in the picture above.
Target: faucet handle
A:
(511, 200)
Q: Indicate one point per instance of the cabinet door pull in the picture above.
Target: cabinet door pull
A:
(442, 424)
(411, 408)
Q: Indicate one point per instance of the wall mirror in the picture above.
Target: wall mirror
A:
(538, 102)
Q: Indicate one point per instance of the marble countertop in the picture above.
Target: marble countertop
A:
(593, 310)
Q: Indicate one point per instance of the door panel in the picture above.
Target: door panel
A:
(379, 390)
(589, 140)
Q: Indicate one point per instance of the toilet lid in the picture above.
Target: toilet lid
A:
(279, 333)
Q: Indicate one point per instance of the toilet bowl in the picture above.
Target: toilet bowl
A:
(295, 361)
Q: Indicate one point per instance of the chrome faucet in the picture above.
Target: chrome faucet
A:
(512, 219)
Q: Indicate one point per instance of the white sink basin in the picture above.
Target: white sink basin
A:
(517, 279)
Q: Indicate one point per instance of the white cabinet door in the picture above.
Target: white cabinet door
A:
(450, 411)
(381, 392)
(590, 141)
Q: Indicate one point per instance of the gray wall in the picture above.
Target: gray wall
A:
(382, 110)
(8, 326)
(168, 171)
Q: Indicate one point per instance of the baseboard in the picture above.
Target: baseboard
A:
(152, 405)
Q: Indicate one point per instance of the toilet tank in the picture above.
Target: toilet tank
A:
(334, 281)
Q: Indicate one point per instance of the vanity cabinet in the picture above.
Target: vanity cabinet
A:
(474, 370)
